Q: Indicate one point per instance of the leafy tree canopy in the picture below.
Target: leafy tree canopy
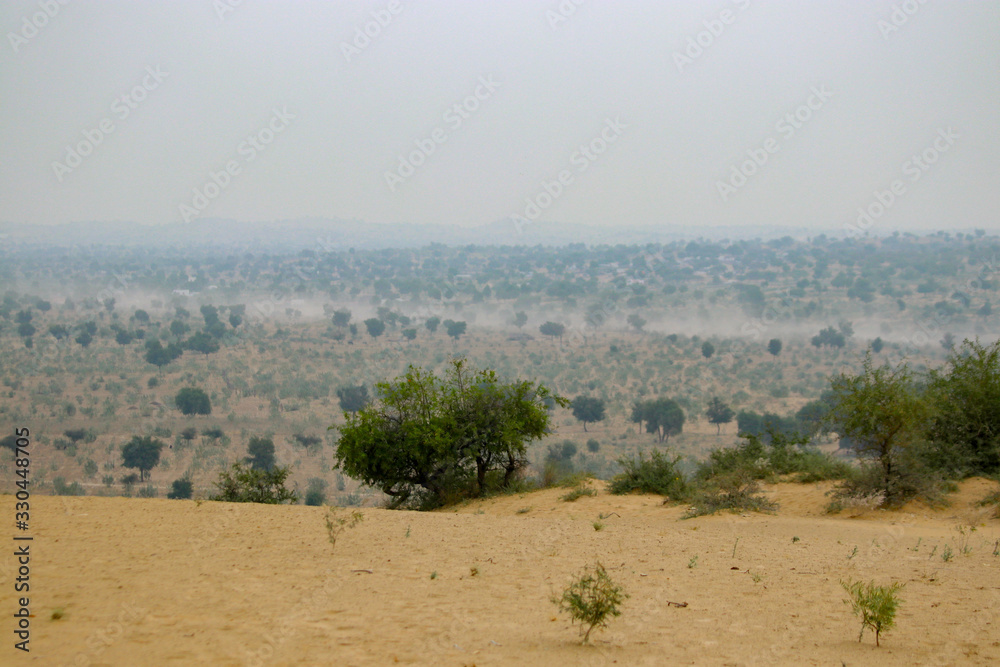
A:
(142, 452)
(442, 436)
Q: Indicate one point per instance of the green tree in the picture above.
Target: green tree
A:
(520, 319)
(829, 337)
(454, 329)
(341, 317)
(409, 334)
(432, 323)
(160, 356)
(444, 435)
(662, 416)
(58, 331)
(636, 321)
(375, 327)
(202, 342)
(193, 401)
(553, 329)
(774, 346)
(241, 484)
(882, 412)
(143, 453)
(707, 349)
(588, 409)
(261, 452)
(352, 398)
(877, 345)
(719, 413)
(965, 430)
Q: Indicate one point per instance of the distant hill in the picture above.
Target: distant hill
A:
(335, 234)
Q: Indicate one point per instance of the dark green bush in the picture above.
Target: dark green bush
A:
(242, 484)
(181, 489)
(657, 474)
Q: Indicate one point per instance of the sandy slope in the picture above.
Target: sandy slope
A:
(160, 582)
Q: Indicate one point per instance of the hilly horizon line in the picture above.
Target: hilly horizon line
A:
(340, 234)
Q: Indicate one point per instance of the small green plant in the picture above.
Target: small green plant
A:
(434, 574)
(964, 535)
(756, 576)
(735, 544)
(916, 547)
(591, 600)
(996, 548)
(598, 526)
(407, 531)
(337, 524)
(578, 492)
(853, 553)
(875, 605)
(693, 563)
(794, 540)
(58, 613)
(933, 551)
(524, 510)
(947, 554)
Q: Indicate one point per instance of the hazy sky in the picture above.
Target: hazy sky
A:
(647, 112)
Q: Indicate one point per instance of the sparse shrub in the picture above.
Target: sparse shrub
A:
(148, 491)
(774, 453)
(911, 480)
(61, 488)
(593, 446)
(736, 492)
(337, 524)
(875, 605)
(657, 474)
(242, 484)
(994, 500)
(578, 492)
(591, 600)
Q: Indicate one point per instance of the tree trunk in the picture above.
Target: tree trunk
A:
(481, 475)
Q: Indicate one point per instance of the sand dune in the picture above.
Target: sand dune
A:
(161, 582)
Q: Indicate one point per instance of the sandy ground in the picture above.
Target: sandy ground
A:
(161, 582)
